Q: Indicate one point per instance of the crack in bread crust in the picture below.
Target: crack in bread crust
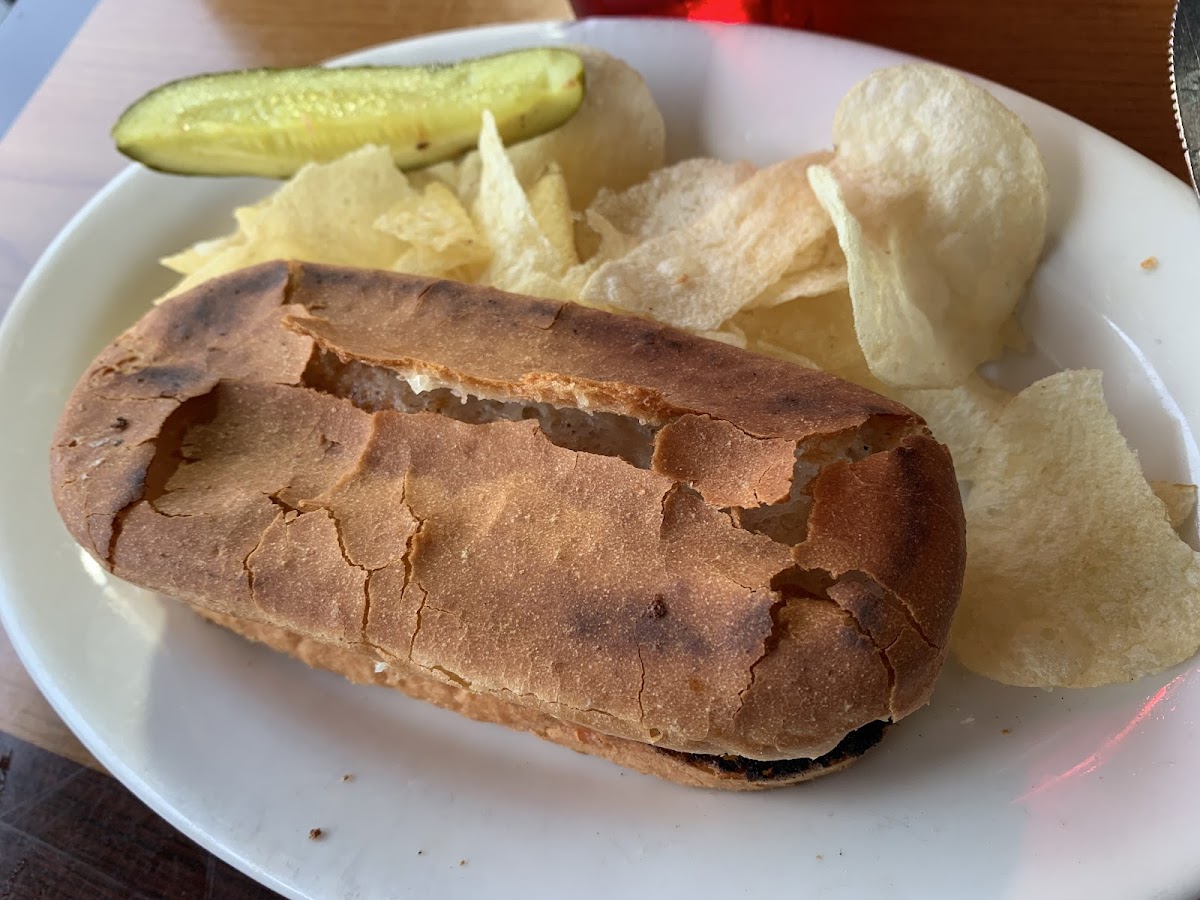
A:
(166, 458)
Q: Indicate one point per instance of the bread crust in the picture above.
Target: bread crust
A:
(634, 602)
(728, 773)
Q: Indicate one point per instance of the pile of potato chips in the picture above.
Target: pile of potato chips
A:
(896, 261)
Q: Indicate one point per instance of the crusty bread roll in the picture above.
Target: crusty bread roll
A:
(719, 568)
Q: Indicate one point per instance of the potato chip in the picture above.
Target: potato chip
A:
(450, 174)
(670, 197)
(570, 284)
(325, 213)
(821, 270)
(248, 217)
(938, 193)
(616, 222)
(726, 334)
(684, 192)
(817, 329)
(1179, 500)
(959, 417)
(814, 282)
(551, 206)
(228, 255)
(187, 261)
(209, 258)
(1075, 577)
(524, 259)
(1013, 336)
(699, 275)
(432, 217)
(441, 238)
(768, 349)
(607, 241)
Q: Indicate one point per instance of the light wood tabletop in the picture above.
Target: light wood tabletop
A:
(1104, 62)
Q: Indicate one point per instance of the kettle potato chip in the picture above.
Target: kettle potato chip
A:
(1179, 500)
(441, 238)
(939, 196)
(819, 329)
(1075, 577)
(524, 259)
(325, 213)
(702, 273)
(671, 196)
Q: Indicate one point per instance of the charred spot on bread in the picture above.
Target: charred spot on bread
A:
(153, 381)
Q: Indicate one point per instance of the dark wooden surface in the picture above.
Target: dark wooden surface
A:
(69, 830)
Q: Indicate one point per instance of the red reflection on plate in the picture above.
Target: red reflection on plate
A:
(1093, 760)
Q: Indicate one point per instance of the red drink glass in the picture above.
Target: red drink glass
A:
(786, 13)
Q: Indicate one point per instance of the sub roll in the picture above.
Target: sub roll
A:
(697, 562)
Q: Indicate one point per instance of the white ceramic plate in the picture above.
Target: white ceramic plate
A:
(990, 792)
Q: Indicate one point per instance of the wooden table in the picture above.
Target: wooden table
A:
(66, 828)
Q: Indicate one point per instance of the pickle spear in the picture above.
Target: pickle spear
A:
(270, 122)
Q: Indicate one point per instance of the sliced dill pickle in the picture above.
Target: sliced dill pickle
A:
(270, 122)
